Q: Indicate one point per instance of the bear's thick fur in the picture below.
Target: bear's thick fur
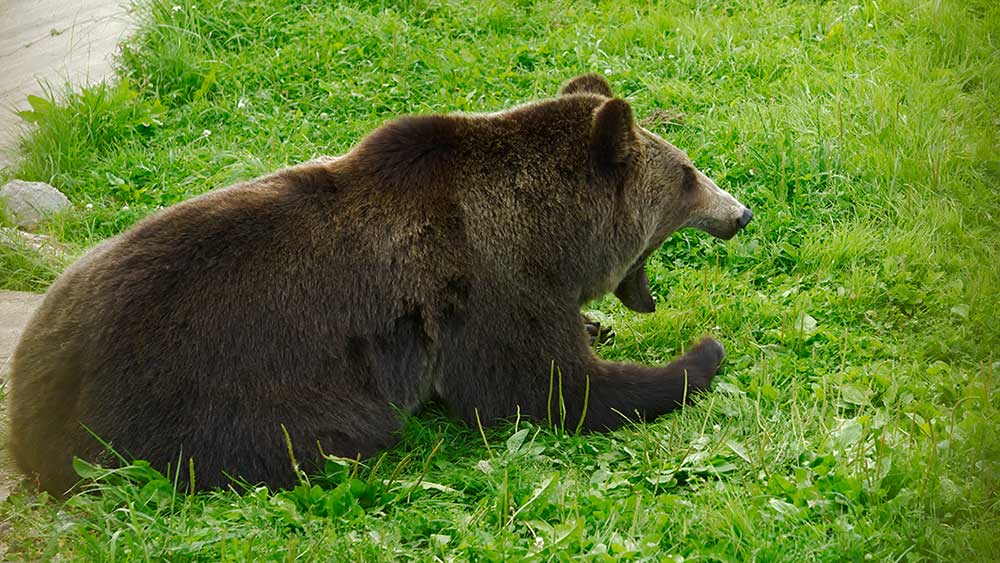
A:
(445, 256)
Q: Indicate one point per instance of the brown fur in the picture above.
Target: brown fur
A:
(443, 257)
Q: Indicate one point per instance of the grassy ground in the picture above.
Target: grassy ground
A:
(856, 418)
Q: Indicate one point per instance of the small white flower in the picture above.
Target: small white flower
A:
(206, 133)
(241, 104)
(716, 428)
(751, 171)
(125, 207)
(89, 206)
(539, 542)
(670, 56)
(175, 8)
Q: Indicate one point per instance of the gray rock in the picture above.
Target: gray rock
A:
(29, 202)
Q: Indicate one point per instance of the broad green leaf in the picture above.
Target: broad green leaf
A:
(516, 440)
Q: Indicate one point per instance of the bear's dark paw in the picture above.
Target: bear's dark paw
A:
(710, 350)
(597, 334)
(704, 360)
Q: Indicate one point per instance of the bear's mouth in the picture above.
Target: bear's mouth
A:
(724, 229)
(633, 290)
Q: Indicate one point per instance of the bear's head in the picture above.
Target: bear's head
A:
(659, 181)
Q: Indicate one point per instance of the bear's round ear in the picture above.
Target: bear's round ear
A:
(590, 83)
(612, 135)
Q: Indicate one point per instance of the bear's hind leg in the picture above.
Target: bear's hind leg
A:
(618, 389)
(556, 374)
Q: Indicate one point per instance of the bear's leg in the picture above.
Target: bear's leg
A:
(546, 370)
(620, 390)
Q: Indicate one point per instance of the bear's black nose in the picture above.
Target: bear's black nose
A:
(745, 218)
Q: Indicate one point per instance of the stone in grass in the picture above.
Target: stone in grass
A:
(28, 203)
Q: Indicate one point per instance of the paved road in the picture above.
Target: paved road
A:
(54, 41)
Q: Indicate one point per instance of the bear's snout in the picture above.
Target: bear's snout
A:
(745, 218)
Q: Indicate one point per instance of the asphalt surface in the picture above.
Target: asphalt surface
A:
(52, 42)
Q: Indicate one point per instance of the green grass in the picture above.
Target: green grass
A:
(857, 415)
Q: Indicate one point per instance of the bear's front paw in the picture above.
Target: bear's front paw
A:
(703, 361)
(711, 351)
(597, 334)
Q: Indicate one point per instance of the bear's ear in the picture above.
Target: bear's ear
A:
(587, 84)
(612, 135)
(633, 291)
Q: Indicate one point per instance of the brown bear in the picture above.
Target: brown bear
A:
(444, 257)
